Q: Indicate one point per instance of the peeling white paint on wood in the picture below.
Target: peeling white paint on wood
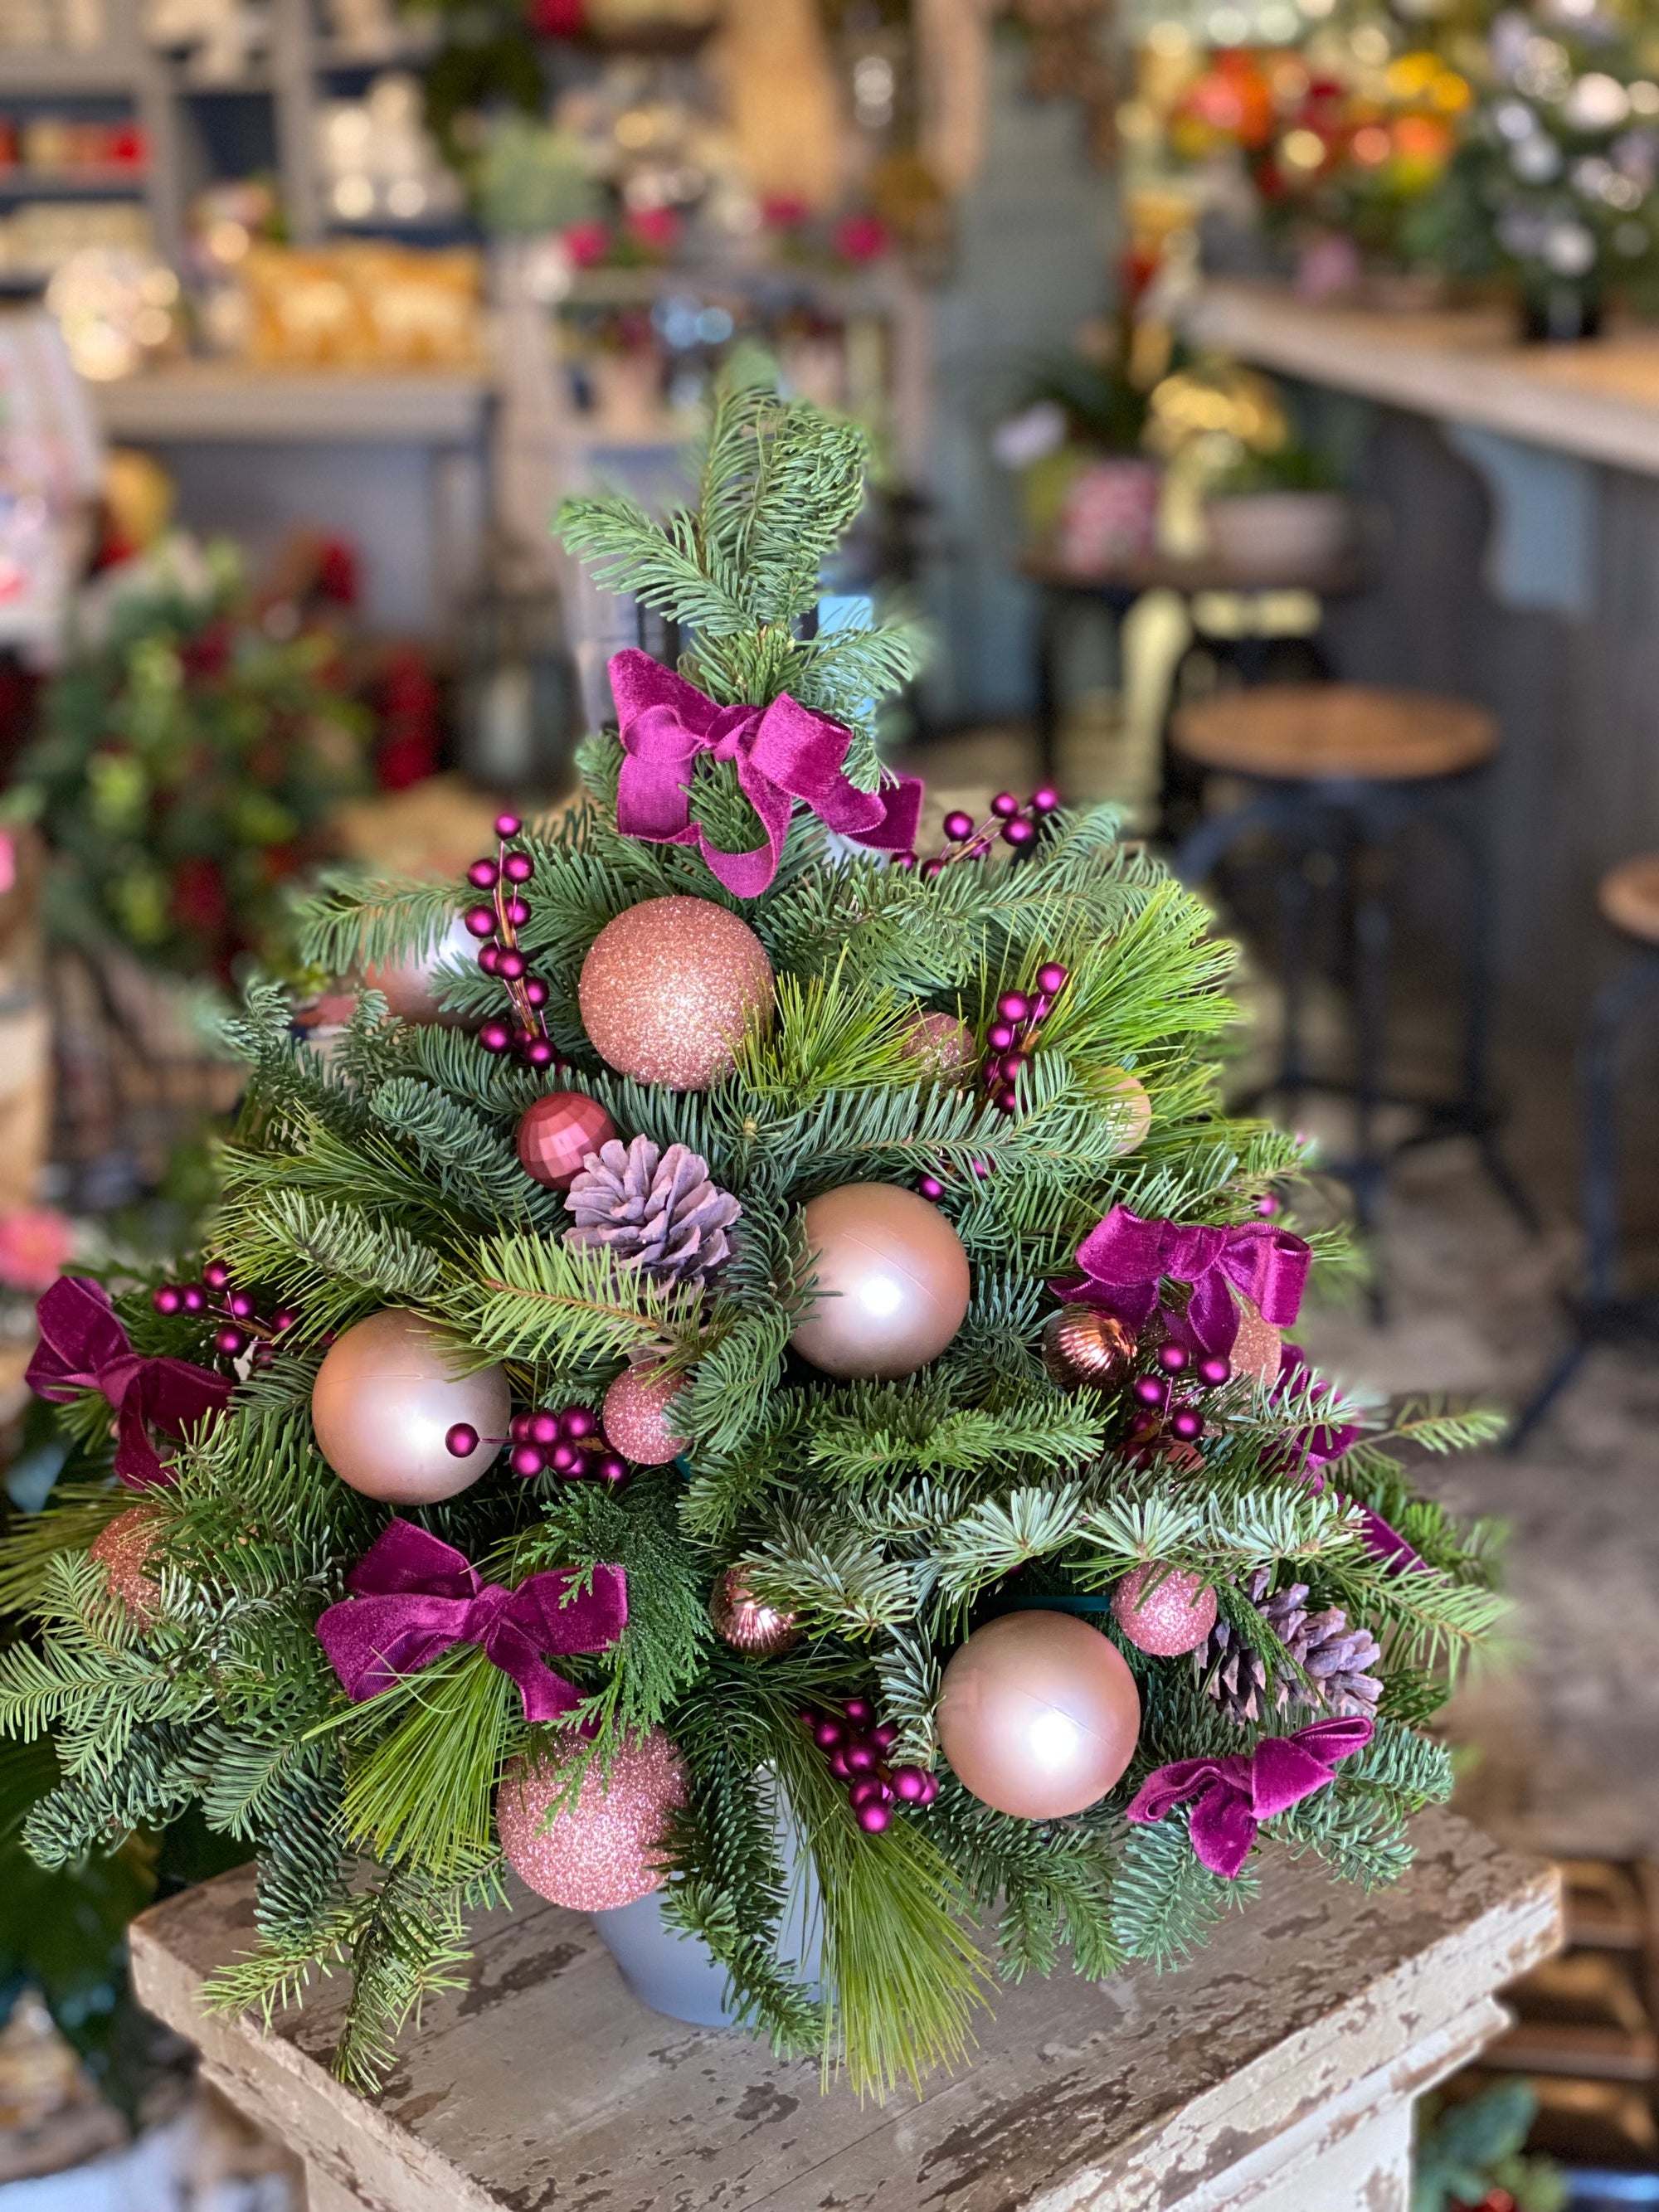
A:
(1275, 2073)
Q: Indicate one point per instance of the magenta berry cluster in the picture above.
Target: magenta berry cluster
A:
(1012, 1036)
(1017, 822)
(1155, 1392)
(569, 1442)
(495, 922)
(216, 1298)
(855, 1744)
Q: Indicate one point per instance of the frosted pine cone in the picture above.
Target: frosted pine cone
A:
(655, 1211)
(1333, 1657)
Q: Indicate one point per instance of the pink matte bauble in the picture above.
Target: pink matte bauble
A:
(1038, 1715)
(1130, 1108)
(604, 1849)
(669, 987)
(942, 1049)
(892, 1281)
(1164, 1614)
(634, 1416)
(556, 1132)
(124, 1548)
(408, 985)
(385, 1398)
(1257, 1346)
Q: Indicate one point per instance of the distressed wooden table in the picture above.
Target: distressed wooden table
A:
(1276, 2073)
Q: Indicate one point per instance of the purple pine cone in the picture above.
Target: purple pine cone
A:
(653, 1210)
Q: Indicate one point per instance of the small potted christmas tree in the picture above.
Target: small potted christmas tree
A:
(781, 1416)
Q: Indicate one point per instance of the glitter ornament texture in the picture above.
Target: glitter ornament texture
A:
(556, 1134)
(942, 1049)
(388, 1396)
(1038, 1715)
(124, 1548)
(1256, 1348)
(1082, 1348)
(1162, 1611)
(747, 1623)
(634, 1416)
(604, 1849)
(670, 987)
(892, 1281)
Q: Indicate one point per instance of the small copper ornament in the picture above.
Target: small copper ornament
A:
(759, 1630)
(1081, 1347)
(123, 1548)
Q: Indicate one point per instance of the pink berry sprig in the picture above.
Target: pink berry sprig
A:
(1154, 1393)
(496, 925)
(1017, 822)
(1012, 1036)
(216, 1298)
(569, 1442)
(855, 1746)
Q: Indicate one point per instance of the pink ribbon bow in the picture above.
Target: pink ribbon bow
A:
(1126, 1260)
(83, 1347)
(1236, 1794)
(783, 752)
(414, 1597)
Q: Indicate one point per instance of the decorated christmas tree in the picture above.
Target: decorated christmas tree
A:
(776, 1406)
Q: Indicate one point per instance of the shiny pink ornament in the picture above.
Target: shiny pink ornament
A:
(635, 1419)
(747, 1623)
(1038, 1715)
(1130, 1109)
(942, 1049)
(669, 987)
(604, 1849)
(558, 1132)
(124, 1548)
(1164, 1613)
(410, 986)
(892, 1281)
(388, 1400)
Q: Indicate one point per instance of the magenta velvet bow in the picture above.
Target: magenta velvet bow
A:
(1236, 1794)
(783, 752)
(83, 1347)
(414, 1596)
(1126, 1260)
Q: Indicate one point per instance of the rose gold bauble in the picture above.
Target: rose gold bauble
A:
(942, 1049)
(892, 1281)
(384, 1399)
(634, 1416)
(669, 988)
(124, 1548)
(1128, 1105)
(1082, 1348)
(746, 1622)
(1163, 1612)
(556, 1132)
(604, 1849)
(1256, 1348)
(409, 986)
(1038, 1714)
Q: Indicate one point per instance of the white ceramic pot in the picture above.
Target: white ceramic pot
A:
(1280, 537)
(678, 1974)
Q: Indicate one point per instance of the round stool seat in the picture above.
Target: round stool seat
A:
(1309, 733)
(1629, 897)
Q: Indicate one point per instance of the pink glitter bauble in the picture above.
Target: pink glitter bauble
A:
(1173, 1616)
(558, 1132)
(1256, 1348)
(942, 1049)
(634, 1416)
(669, 988)
(124, 1549)
(604, 1849)
(747, 1623)
(1129, 1107)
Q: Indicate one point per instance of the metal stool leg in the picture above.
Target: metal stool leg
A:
(1478, 1104)
(1294, 901)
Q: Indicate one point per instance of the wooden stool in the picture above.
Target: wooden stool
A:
(1277, 2071)
(1340, 770)
(1628, 896)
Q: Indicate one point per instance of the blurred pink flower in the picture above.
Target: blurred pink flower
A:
(35, 1244)
(587, 243)
(862, 238)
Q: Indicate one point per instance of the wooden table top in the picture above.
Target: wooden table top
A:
(542, 2084)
